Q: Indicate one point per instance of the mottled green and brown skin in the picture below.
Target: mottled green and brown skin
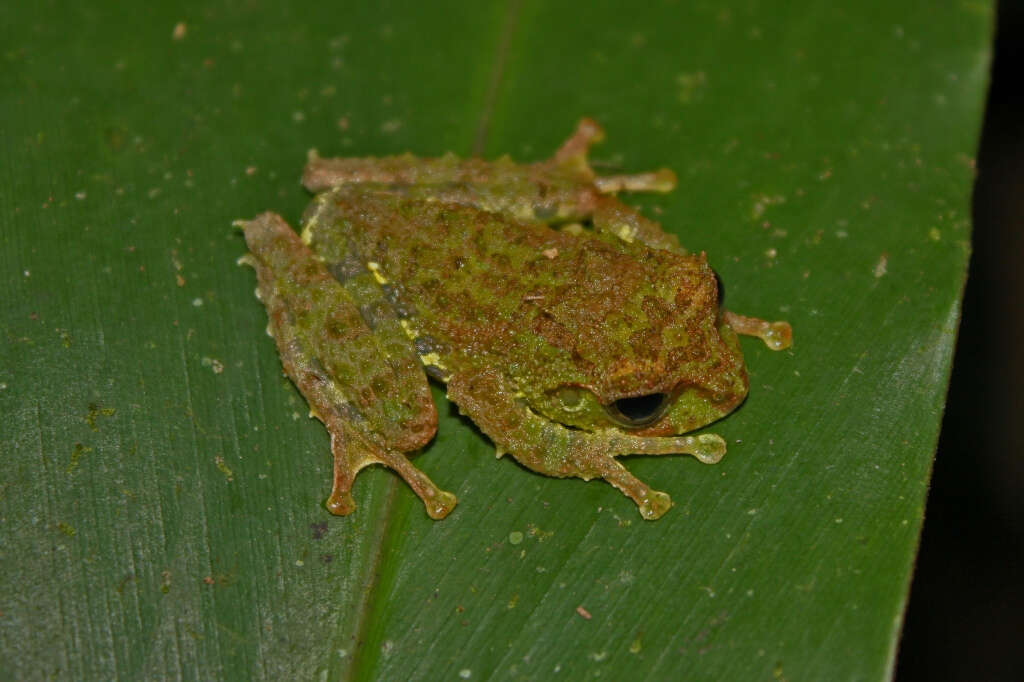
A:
(567, 345)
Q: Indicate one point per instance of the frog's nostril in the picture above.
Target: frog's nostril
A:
(639, 411)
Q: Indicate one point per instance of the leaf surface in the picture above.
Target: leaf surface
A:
(162, 487)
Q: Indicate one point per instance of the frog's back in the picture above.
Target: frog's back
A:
(472, 283)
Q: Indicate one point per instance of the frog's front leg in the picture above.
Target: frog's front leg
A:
(776, 335)
(368, 390)
(555, 450)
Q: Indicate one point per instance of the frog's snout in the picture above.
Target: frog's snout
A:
(638, 411)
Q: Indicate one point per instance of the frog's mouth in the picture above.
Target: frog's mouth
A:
(639, 411)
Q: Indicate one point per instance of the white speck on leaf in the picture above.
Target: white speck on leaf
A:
(882, 266)
(213, 363)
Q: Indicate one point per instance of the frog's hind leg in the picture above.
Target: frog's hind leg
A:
(382, 173)
(554, 450)
(382, 407)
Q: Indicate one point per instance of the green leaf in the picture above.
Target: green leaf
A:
(161, 488)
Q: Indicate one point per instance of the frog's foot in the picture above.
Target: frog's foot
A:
(661, 180)
(351, 457)
(776, 335)
(706, 447)
(573, 154)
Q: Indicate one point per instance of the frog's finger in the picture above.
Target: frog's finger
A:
(776, 335)
(652, 503)
(709, 448)
(438, 503)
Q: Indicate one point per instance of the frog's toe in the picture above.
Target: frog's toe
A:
(440, 504)
(654, 505)
(341, 504)
(779, 336)
(661, 180)
(709, 448)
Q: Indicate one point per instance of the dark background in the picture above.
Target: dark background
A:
(966, 615)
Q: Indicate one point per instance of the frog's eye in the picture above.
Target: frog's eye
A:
(639, 411)
(721, 288)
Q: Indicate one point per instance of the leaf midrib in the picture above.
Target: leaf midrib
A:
(367, 605)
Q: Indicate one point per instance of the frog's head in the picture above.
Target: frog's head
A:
(705, 389)
(651, 353)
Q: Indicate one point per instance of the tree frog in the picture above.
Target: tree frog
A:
(568, 327)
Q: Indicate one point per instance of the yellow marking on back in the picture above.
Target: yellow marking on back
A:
(434, 359)
(409, 330)
(314, 220)
(431, 358)
(375, 269)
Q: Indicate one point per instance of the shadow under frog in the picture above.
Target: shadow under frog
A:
(569, 328)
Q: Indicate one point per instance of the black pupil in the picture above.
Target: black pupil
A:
(642, 409)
